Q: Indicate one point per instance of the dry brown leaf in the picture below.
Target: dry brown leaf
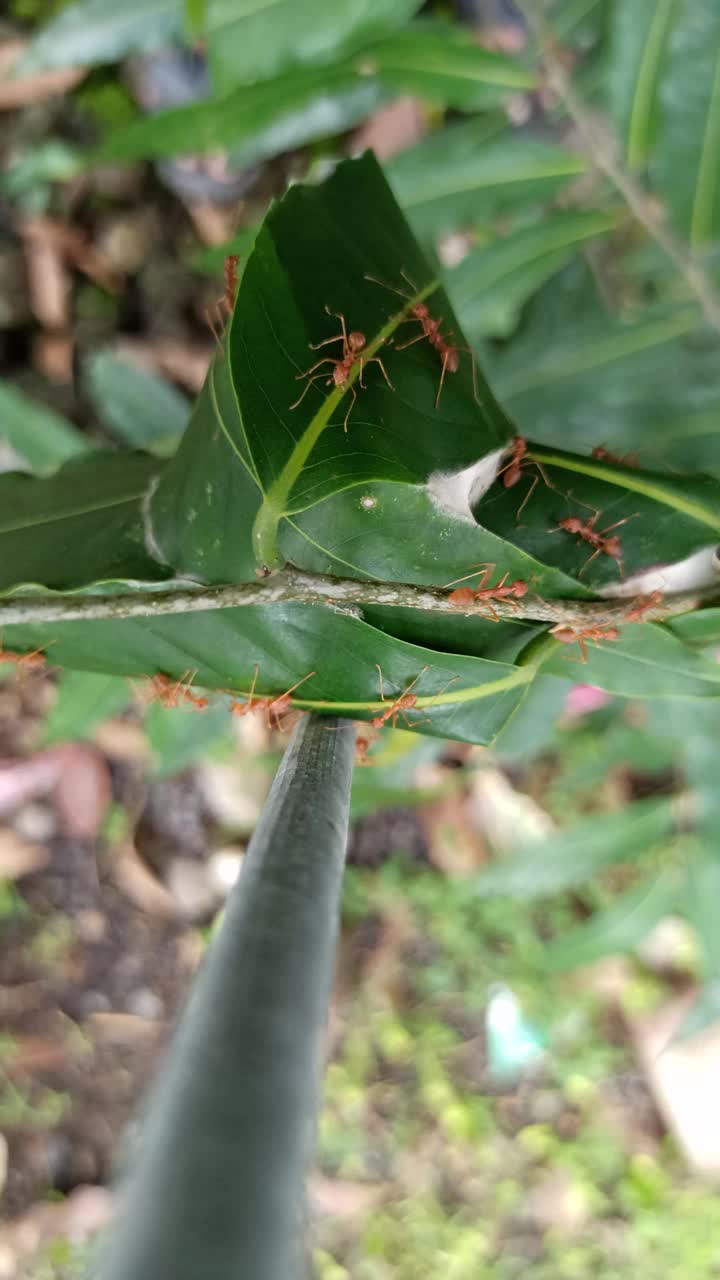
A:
(138, 883)
(22, 780)
(25, 90)
(337, 1198)
(392, 128)
(52, 356)
(185, 362)
(83, 791)
(19, 857)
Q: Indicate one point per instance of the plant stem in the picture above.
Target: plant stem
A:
(218, 1190)
(316, 588)
(603, 150)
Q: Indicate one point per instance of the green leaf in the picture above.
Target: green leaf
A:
(93, 31)
(178, 736)
(658, 519)
(619, 928)
(445, 64)
(255, 122)
(316, 249)
(84, 699)
(35, 433)
(638, 47)
(145, 410)
(371, 531)
(647, 661)
(218, 1188)
(249, 42)
(701, 628)
(626, 383)
(79, 526)
(704, 888)
(685, 161)
(493, 283)
(579, 851)
(473, 171)
(458, 696)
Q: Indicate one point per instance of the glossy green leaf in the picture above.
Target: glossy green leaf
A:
(618, 928)
(639, 35)
(178, 736)
(249, 42)
(255, 122)
(628, 384)
(35, 433)
(370, 531)
(445, 64)
(217, 1187)
(473, 171)
(685, 161)
(91, 31)
(144, 410)
(84, 699)
(658, 519)
(647, 661)
(462, 697)
(492, 284)
(700, 629)
(704, 891)
(248, 444)
(81, 525)
(577, 852)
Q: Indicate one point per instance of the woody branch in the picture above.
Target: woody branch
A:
(342, 593)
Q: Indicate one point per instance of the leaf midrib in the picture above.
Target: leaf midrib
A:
(633, 483)
(73, 514)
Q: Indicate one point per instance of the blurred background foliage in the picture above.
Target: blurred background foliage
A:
(519, 922)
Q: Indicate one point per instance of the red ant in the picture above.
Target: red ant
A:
(25, 661)
(170, 693)
(503, 590)
(448, 351)
(228, 298)
(604, 455)
(405, 702)
(585, 530)
(567, 634)
(275, 707)
(642, 605)
(353, 345)
(512, 471)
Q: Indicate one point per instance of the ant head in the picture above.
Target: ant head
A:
(356, 340)
(573, 524)
(609, 633)
(421, 311)
(519, 588)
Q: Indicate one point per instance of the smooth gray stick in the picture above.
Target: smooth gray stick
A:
(217, 1191)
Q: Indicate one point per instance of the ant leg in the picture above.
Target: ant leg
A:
(442, 378)
(583, 648)
(486, 565)
(316, 365)
(589, 560)
(617, 524)
(393, 288)
(468, 351)
(404, 346)
(308, 385)
(377, 360)
(353, 393)
(339, 316)
(527, 498)
(315, 346)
